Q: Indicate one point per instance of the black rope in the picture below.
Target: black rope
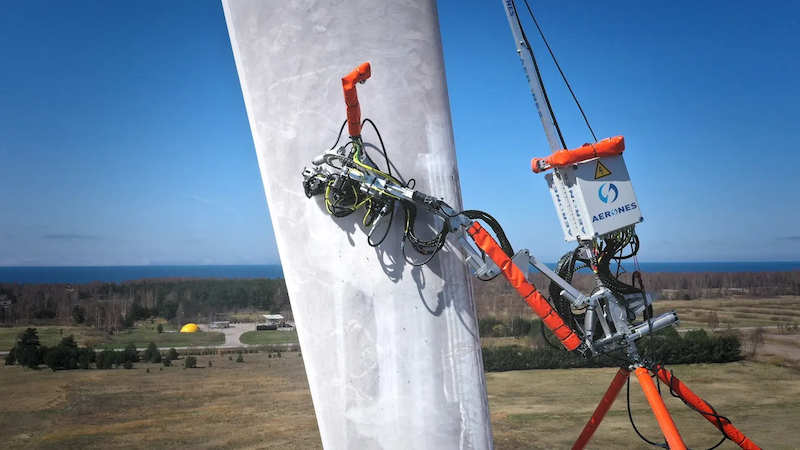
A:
(560, 71)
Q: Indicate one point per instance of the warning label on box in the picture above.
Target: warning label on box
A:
(601, 171)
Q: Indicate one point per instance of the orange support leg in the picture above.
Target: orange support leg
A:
(706, 410)
(668, 427)
(602, 409)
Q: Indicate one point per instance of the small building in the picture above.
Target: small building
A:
(271, 322)
(273, 319)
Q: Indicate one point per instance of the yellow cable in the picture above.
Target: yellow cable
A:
(357, 160)
(327, 197)
(369, 209)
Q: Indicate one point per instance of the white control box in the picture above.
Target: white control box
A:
(594, 198)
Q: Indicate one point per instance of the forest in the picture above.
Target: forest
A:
(115, 306)
(496, 298)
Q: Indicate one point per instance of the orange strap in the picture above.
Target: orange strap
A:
(674, 440)
(359, 74)
(607, 147)
(528, 291)
(698, 403)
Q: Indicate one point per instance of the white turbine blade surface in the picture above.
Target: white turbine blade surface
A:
(391, 351)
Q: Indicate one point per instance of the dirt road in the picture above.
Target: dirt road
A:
(232, 333)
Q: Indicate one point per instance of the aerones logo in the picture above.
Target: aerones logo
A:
(611, 193)
(510, 7)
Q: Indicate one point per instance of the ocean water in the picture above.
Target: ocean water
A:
(117, 274)
(694, 267)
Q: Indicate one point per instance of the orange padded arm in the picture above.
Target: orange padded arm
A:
(359, 75)
(524, 288)
(607, 147)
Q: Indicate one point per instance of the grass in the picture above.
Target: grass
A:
(737, 312)
(256, 404)
(494, 342)
(269, 337)
(146, 333)
(141, 335)
(265, 403)
(544, 409)
(48, 335)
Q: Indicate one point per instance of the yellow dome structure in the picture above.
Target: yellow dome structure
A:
(190, 328)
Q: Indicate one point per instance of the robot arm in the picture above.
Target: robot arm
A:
(349, 181)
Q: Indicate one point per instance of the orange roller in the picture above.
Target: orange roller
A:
(607, 147)
(358, 75)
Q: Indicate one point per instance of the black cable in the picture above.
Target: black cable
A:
(547, 340)
(389, 171)
(408, 260)
(630, 417)
(648, 315)
(566, 268)
(634, 242)
(430, 247)
(713, 413)
(425, 248)
(503, 241)
(607, 253)
(475, 214)
(342, 200)
(383, 147)
(560, 71)
(386, 233)
(539, 78)
(339, 136)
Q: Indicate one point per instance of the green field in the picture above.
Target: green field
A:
(547, 409)
(141, 335)
(48, 335)
(265, 403)
(269, 337)
(736, 312)
(146, 333)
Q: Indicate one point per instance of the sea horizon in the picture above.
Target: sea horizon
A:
(119, 274)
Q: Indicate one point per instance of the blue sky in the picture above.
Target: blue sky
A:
(124, 139)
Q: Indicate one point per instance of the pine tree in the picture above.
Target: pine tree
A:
(149, 354)
(173, 354)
